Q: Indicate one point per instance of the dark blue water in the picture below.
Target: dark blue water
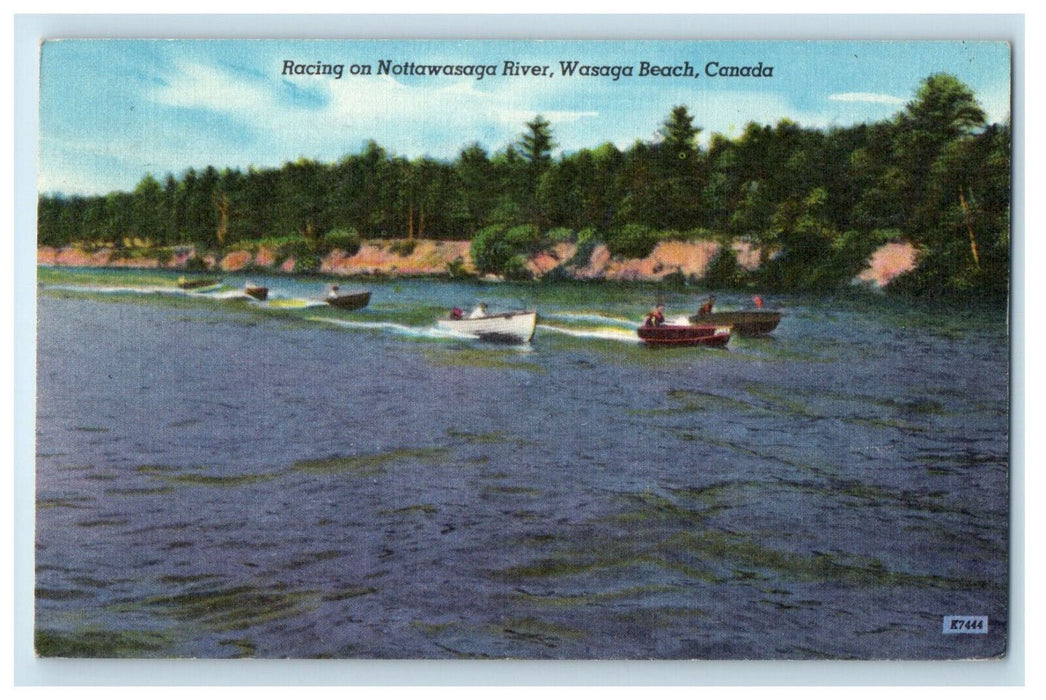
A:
(220, 478)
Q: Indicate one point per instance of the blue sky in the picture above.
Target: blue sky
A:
(112, 111)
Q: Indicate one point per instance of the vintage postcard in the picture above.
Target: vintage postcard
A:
(405, 349)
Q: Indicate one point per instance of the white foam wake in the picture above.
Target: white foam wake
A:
(93, 289)
(593, 318)
(616, 334)
(399, 328)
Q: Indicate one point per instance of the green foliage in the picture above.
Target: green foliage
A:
(306, 252)
(559, 234)
(587, 241)
(196, 264)
(297, 247)
(679, 133)
(404, 247)
(524, 238)
(723, 271)
(456, 268)
(632, 241)
(489, 251)
(813, 200)
(515, 268)
(697, 234)
(536, 144)
(347, 241)
(502, 250)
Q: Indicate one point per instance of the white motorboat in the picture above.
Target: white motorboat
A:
(505, 327)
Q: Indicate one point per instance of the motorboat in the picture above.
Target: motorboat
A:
(506, 326)
(684, 335)
(753, 322)
(255, 292)
(350, 301)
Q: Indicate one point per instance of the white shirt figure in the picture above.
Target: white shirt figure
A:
(479, 312)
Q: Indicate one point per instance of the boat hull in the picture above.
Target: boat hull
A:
(743, 322)
(508, 327)
(198, 284)
(350, 302)
(671, 335)
(259, 293)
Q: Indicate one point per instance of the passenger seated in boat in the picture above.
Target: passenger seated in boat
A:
(657, 316)
(758, 301)
(333, 293)
(456, 313)
(479, 312)
(706, 308)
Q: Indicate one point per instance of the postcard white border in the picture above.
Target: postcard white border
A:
(29, 30)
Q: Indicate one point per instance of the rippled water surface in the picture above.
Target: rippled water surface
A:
(220, 477)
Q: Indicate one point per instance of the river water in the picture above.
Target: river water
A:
(219, 477)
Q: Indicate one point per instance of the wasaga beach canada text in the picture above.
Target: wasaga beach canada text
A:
(572, 68)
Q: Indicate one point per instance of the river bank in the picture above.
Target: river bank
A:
(430, 258)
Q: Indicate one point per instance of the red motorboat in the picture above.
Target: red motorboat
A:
(679, 335)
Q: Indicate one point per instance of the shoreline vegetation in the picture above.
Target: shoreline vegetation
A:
(917, 205)
(670, 261)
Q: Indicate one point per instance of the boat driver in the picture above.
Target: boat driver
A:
(657, 316)
(706, 308)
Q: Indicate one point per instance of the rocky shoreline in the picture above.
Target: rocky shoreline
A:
(429, 258)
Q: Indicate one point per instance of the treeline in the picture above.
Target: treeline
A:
(816, 202)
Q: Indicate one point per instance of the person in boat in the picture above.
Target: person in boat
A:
(479, 312)
(334, 292)
(657, 316)
(456, 313)
(706, 308)
(758, 300)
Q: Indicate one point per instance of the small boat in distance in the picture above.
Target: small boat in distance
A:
(756, 322)
(503, 327)
(197, 283)
(684, 335)
(350, 301)
(256, 292)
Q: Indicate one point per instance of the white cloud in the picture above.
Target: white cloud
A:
(208, 87)
(873, 97)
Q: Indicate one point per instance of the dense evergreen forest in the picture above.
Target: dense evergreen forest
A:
(816, 202)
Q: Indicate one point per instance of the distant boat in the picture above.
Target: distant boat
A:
(754, 322)
(349, 302)
(259, 293)
(504, 327)
(681, 335)
(198, 283)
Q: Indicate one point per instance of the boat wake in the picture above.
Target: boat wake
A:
(92, 289)
(294, 303)
(274, 301)
(398, 328)
(588, 317)
(616, 334)
(229, 294)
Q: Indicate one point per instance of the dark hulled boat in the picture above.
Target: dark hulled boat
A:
(755, 322)
(197, 283)
(673, 335)
(259, 293)
(349, 302)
